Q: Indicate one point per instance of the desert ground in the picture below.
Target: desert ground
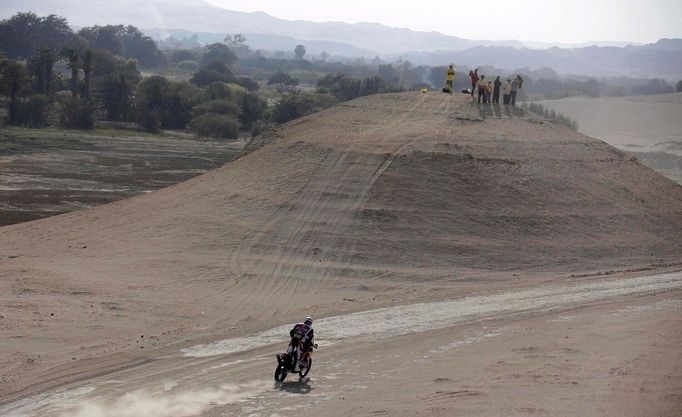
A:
(45, 172)
(458, 260)
(649, 127)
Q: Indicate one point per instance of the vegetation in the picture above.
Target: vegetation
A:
(295, 106)
(51, 75)
(345, 88)
(552, 115)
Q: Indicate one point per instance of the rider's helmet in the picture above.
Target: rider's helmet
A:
(308, 320)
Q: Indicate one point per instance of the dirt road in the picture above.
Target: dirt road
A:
(556, 350)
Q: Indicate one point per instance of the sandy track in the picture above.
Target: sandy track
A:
(198, 380)
(383, 201)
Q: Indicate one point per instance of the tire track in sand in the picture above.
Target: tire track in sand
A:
(351, 178)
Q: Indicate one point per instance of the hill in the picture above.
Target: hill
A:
(384, 200)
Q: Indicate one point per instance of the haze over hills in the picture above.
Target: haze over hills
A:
(162, 18)
(199, 15)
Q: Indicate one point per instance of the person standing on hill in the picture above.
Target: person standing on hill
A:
(518, 77)
(496, 90)
(450, 80)
(481, 88)
(507, 91)
(514, 90)
(473, 75)
(488, 91)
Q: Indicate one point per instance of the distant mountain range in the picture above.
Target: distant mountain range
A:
(662, 59)
(163, 18)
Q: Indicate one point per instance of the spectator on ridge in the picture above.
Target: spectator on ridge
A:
(518, 77)
(450, 79)
(507, 91)
(514, 90)
(488, 91)
(496, 90)
(481, 88)
(474, 80)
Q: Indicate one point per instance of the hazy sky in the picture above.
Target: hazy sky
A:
(571, 21)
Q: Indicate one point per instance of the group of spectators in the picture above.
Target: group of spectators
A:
(489, 91)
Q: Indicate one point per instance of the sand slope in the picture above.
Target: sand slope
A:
(383, 200)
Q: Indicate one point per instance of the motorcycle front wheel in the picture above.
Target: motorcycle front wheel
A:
(280, 373)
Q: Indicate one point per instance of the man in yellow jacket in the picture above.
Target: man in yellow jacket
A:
(450, 80)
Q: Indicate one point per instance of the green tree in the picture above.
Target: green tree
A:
(283, 79)
(116, 95)
(248, 83)
(125, 41)
(237, 43)
(300, 52)
(104, 37)
(215, 125)
(252, 109)
(295, 106)
(165, 104)
(14, 82)
(24, 33)
(206, 76)
(221, 90)
(218, 52)
(138, 46)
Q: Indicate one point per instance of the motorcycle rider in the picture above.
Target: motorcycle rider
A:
(301, 340)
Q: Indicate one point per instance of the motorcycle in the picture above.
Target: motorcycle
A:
(287, 361)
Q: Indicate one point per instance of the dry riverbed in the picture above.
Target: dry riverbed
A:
(44, 172)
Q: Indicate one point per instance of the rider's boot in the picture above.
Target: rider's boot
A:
(297, 367)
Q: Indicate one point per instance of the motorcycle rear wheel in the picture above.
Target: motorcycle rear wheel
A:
(304, 371)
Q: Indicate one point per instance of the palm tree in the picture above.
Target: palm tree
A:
(72, 54)
(42, 67)
(88, 64)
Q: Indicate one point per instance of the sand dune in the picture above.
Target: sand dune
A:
(381, 201)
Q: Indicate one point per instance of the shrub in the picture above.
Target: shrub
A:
(552, 115)
(216, 126)
(33, 111)
(252, 109)
(221, 90)
(171, 101)
(345, 88)
(206, 76)
(76, 113)
(295, 106)
(248, 83)
(188, 65)
(224, 107)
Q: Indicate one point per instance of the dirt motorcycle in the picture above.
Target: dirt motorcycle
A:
(287, 361)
